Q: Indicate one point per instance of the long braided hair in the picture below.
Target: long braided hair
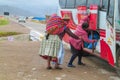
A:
(47, 36)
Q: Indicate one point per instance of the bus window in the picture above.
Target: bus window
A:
(110, 13)
(118, 17)
(119, 8)
(93, 2)
(104, 4)
(80, 2)
(62, 3)
(70, 3)
(67, 4)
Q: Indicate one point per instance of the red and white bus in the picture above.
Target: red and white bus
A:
(104, 19)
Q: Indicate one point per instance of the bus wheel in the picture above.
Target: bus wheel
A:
(118, 61)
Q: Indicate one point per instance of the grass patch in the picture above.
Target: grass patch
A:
(3, 21)
(5, 34)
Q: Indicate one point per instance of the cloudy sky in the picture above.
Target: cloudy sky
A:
(36, 6)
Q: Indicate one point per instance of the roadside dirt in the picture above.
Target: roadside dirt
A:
(19, 60)
(12, 26)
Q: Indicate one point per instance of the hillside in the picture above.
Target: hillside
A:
(14, 11)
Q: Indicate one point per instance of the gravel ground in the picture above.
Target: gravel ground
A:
(19, 60)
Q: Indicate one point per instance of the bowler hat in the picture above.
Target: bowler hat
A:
(66, 17)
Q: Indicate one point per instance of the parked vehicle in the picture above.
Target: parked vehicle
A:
(104, 19)
(22, 19)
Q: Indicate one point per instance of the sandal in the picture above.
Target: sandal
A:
(49, 68)
(59, 68)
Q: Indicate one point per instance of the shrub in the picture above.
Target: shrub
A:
(3, 21)
(4, 34)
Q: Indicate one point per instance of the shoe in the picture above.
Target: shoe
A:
(70, 65)
(81, 64)
(48, 68)
(59, 68)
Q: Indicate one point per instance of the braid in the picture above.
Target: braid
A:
(47, 36)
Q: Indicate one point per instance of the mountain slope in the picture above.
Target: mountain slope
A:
(14, 11)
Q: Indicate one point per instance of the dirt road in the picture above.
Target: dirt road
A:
(19, 60)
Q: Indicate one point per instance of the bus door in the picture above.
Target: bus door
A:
(110, 41)
(117, 33)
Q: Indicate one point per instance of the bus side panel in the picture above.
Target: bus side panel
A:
(111, 39)
(102, 20)
(106, 52)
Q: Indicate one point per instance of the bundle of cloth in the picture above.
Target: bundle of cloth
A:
(55, 25)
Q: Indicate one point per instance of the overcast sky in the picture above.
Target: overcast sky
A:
(39, 6)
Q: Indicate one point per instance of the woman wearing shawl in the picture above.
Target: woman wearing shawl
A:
(50, 46)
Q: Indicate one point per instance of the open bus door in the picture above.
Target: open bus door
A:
(113, 22)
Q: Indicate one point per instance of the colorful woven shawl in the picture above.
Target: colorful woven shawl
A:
(55, 25)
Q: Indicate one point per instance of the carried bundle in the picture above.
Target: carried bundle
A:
(55, 25)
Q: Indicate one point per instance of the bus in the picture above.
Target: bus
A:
(104, 19)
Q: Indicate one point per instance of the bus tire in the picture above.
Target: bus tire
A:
(118, 72)
(118, 61)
